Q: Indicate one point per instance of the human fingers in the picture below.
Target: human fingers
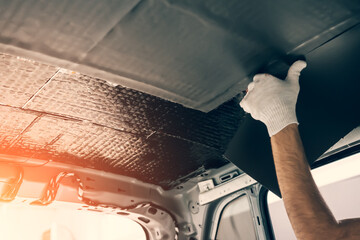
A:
(294, 71)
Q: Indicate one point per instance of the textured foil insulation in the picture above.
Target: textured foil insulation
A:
(58, 115)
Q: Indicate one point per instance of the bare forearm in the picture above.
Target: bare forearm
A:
(307, 211)
(273, 102)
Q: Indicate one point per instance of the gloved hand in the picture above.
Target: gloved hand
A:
(272, 100)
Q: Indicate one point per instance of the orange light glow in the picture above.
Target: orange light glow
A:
(60, 221)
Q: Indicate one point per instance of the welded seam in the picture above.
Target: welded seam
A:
(41, 88)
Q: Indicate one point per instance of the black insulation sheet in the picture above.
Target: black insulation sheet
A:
(327, 109)
(59, 115)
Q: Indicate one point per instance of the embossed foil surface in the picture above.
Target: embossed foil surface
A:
(59, 115)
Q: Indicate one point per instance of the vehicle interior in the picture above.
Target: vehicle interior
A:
(121, 119)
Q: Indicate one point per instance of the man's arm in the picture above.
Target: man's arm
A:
(273, 102)
(308, 213)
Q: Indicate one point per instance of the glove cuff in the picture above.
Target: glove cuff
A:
(278, 117)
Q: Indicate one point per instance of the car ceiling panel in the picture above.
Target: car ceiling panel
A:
(196, 53)
(60, 28)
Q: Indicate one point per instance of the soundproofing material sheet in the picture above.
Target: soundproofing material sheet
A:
(54, 114)
(196, 53)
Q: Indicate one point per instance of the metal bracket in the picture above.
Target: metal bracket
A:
(221, 190)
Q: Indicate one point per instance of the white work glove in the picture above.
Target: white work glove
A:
(273, 101)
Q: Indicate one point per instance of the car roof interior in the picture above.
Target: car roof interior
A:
(150, 89)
